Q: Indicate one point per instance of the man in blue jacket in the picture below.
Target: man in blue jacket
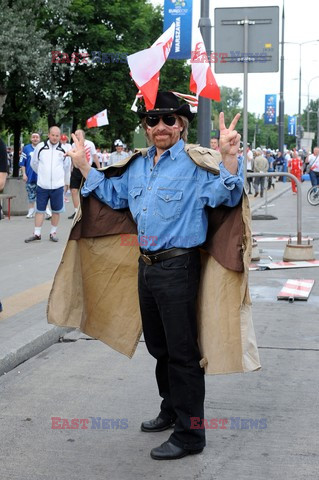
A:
(29, 175)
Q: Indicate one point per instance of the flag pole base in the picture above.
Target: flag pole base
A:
(294, 252)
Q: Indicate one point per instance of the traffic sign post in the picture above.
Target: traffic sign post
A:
(256, 31)
(204, 104)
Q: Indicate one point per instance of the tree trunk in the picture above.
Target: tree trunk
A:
(74, 123)
(16, 146)
(51, 120)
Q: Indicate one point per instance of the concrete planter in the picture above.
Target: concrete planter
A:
(19, 205)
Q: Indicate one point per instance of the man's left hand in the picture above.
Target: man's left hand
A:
(78, 156)
(229, 142)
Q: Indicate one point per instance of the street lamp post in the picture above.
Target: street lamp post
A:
(299, 95)
(308, 107)
(281, 123)
(299, 103)
(317, 113)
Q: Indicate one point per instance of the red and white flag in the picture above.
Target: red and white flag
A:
(146, 64)
(98, 120)
(202, 80)
(193, 101)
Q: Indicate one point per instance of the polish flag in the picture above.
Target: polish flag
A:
(146, 64)
(98, 120)
(193, 101)
(202, 80)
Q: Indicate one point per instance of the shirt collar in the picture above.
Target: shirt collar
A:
(173, 151)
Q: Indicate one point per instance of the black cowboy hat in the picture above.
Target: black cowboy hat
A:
(167, 102)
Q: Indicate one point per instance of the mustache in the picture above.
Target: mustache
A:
(161, 131)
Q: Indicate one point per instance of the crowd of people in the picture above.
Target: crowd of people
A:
(38, 175)
(296, 162)
(263, 160)
(259, 160)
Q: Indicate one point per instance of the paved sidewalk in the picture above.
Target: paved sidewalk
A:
(82, 378)
(26, 274)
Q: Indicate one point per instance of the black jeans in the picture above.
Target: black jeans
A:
(168, 297)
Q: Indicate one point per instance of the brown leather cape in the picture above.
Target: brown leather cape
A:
(95, 286)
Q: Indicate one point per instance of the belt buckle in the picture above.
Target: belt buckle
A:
(146, 259)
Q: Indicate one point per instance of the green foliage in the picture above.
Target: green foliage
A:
(313, 120)
(67, 94)
(229, 104)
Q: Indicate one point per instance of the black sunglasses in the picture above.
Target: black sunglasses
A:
(152, 120)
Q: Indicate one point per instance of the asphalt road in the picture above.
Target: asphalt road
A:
(270, 432)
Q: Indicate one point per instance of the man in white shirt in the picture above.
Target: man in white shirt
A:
(76, 175)
(313, 163)
(53, 169)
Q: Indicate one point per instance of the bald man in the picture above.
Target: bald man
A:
(53, 169)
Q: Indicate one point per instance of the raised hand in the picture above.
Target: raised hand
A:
(78, 156)
(229, 142)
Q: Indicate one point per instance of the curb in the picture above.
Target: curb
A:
(17, 354)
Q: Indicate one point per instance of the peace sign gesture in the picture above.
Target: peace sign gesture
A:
(78, 156)
(229, 142)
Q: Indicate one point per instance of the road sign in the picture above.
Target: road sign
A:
(296, 290)
(246, 41)
(262, 54)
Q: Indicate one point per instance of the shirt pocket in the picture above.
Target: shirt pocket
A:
(168, 203)
(135, 198)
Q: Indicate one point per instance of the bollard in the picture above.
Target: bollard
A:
(298, 251)
(255, 254)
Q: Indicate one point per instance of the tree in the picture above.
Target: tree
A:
(24, 63)
(230, 99)
(313, 120)
(107, 32)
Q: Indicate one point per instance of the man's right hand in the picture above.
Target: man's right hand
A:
(78, 156)
(25, 178)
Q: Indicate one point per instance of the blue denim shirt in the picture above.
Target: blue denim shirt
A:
(167, 200)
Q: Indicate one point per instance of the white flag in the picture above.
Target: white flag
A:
(146, 64)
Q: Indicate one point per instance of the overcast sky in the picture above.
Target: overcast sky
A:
(301, 25)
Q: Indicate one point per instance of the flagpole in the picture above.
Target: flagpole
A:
(205, 104)
(281, 123)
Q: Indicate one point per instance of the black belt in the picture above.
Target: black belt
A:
(150, 258)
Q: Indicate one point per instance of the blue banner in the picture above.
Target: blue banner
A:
(180, 12)
(270, 109)
(292, 123)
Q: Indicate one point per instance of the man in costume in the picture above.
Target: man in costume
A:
(168, 196)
